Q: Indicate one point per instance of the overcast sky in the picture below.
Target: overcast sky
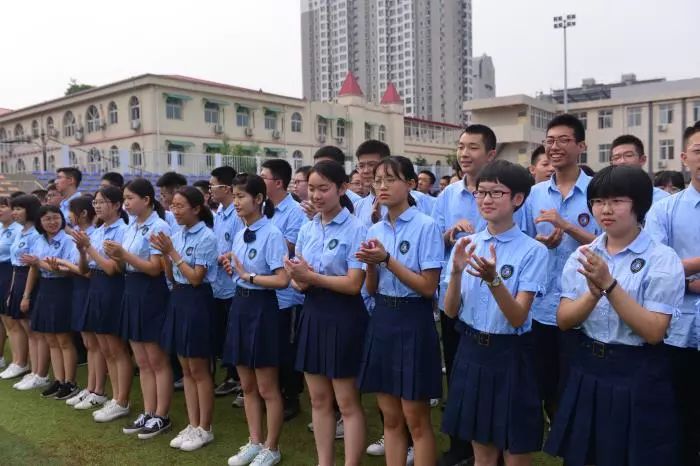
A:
(257, 43)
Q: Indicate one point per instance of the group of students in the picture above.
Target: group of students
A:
(576, 294)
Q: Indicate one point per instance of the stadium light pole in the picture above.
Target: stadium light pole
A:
(565, 22)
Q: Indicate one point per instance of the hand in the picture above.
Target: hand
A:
(162, 242)
(53, 264)
(694, 286)
(28, 259)
(552, 216)
(24, 305)
(238, 268)
(113, 249)
(82, 241)
(552, 240)
(595, 269)
(482, 267)
(298, 269)
(462, 226)
(376, 210)
(595, 291)
(308, 209)
(371, 252)
(463, 252)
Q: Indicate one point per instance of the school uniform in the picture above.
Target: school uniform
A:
(658, 194)
(7, 237)
(81, 287)
(103, 305)
(64, 205)
(402, 352)
(331, 323)
(252, 339)
(23, 244)
(618, 406)
(424, 203)
(494, 397)
(172, 221)
(145, 299)
(353, 196)
(552, 345)
(53, 308)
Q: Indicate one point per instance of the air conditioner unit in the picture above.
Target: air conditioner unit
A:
(249, 132)
(79, 135)
(663, 128)
(321, 138)
(54, 133)
(218, 129)
(661, 164)
(135, 124)
(339, 140)
(275, 134)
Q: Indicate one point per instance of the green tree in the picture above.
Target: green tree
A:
(74, 87)
(420, 161)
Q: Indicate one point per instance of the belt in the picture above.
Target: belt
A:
(20, 268)
(247, 292)
(397, 301)
(491, 339)
(181, 286)
(603, 350)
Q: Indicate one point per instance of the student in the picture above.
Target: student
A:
(40, 194)
(444, 182)
(103, 302)
(337, 155)
(53, 197)
(190, 263)
(558, 216)
(112, 179)
(67, 182)
(288, 218)
(205, 188)
(670, 181)
(9, 230)
(540, 167)
(675, 222)
(356, 185)
(401, 362)
(426, 181)
(252, 340)
(143, 305)
(618, 405)
(52, 310)
(493, 278)
(25, 211)
(168, 184)
(369, 154)
(629, 150)
(334, 317)
(300, 183)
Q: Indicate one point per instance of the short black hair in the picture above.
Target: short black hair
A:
(430, 174)
(114, 178)
(570, 121)
(305, 170)
(372, 146)
(171, 180)
(202, 184)
(447, 178)
(672, 177)
(29, 203)
(487, 135)
(586, 169)
(40, 194)
(690, 131)
(72, 172)
(48, 209)
(629, 139)
(539, 150)
(623, 181)
(330, 152)
(280, 169)
(224, 174)
(15, 194)
(511, 175)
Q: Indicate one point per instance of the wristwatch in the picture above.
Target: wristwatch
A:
(609, 289)
(385, 262)
(496, 282)
(251, 279)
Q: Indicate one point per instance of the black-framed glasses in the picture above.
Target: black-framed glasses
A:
(495, 194)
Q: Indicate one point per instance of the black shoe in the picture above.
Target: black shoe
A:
(453, 458)
(138, 425)
(291, 409)
(51, 391)
(179, 385)
(156, 425)
(227, 387)
(66, 391)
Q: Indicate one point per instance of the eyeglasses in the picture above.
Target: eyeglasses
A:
(625, 156)
(217, 186)
(479, 194)
(295, 182)
(561, 141)
(388, 182)
(98, 203)
(613, 203)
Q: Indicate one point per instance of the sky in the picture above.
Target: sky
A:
(257, 43)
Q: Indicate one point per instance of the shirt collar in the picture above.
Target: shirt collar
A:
(261, 222)
(60, 236)
(227, 211)
(505, 237)
(70, 198)
(284, 203)
(640, 244)
(194, 228)
(406, 216)
(692, 193)
(339, 219)
(31, 231)
(118, 223)
(581, 182)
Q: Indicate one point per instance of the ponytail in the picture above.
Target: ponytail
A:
(411, 200)
(347, 203)
(158, 208)
(143, 188)
(268, 209)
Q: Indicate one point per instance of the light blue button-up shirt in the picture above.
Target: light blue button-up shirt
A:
(330, 249)
(353, 196)
(650, 272)
(574, 209)
(23, 244)
(675, 222)
(415, 241)
(521, 262)
(363, 209)
(425, 203)
(196, 246)
(114, 232)
(262, 256)
(7, 237)
(61, 246)
(137, 238)
(288, 218)
(65, 207)
(659, 194)
(226, 225)
(170, 218)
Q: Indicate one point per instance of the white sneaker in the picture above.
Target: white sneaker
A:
(104, 407)
(25, 380)
(2, 363)
(13, 371)
(197, 439)
(339, 429)
(376, 448)
(82, 394)
(434, 402)
(93, 400)
(111, 412)
(181, 436)
(267, 457)
(409, 457)
(36, 382)
(246, 454)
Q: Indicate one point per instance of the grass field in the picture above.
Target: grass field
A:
(34, 431)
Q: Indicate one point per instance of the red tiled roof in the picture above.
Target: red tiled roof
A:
(350, 87)
(391, 95)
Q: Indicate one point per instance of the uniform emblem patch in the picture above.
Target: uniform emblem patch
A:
(227, 236)
(21, 244)
(189, 251)
(252, 253)
(584, 220)
(637, 265)
(332, 244)
(144, 230)
(56, 245)
(506, 271)
(404, 247)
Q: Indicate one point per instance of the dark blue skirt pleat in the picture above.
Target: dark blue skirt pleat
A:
(16, 293)
(81, 286)
(144, 307)
(52, 309)
(188, 329)
(5, 282)
(103, 305)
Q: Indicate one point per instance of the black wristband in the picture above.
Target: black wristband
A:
(609, 289)
(386, 259)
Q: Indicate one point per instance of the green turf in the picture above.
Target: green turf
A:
(47, 432)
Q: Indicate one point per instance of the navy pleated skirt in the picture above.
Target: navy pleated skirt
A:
(402, 352)
(53, 308)
(331, 333)
(144, 307)
(5, 282)
(494, 397)
(188, 329)
(252, 338)
(81, 286)
(16, 293)
(618, 408)
(103, 304)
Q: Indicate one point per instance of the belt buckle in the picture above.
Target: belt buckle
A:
(392, 301)
(598, 349)
(245, 292)
(483, 339)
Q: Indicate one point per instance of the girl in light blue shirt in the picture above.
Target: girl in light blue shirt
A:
(8, 232)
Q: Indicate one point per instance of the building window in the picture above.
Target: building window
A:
(68, 124)
(114, 157)
(173, 108)
(604, 153)
(180, 154)
(340, 128)
(72, 159)
(666, 114)
(666, 149)
(297, 159)
(296, 122)
(583, 158)
(19, 131)
(634, 116)
(21, 167)
(35, 129)
(605, 119)
(242, 117)
(368, 131)
(134, 109)
(381, 133)
(322, 127)
(36, 166)
(93, 119)
(211, 113)
(136, 155)
(696, 111)
(50, 126)
(113, 115)
(51, 162)
(270, 120)
(94, 160)
(540, 118)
